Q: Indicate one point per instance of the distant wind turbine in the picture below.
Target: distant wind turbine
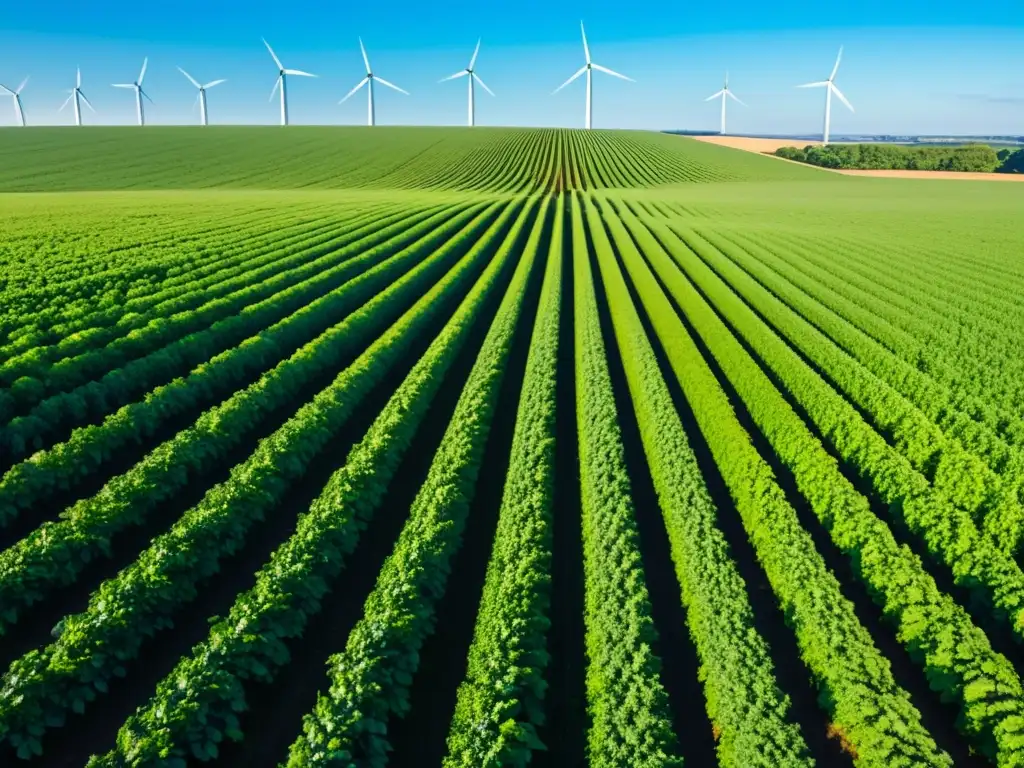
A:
(282, 82)
(587, 68)
(725, 93)
(77, 96)
(19, 113)
(472, 75)
(201, 96)
(139, 93)
(830, 88)
(370, 77)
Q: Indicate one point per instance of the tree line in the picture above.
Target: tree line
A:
(972, 157)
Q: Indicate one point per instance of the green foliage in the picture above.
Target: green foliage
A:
(747, 710)
(370, 679)
(205, 693)
(500, 704)
(978, 158)
(124, 611)
(630, 719)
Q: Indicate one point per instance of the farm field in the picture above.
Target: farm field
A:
(497, 447)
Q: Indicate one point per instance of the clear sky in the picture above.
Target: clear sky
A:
(915, 66)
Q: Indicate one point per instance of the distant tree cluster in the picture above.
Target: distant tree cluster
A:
(973, 157)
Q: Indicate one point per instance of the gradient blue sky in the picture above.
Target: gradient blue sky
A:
(909, 67)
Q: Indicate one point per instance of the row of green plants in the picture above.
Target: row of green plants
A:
(52, 277)
(57, 551)
(630, 719)
(227, 316)
(997, 510)
(869, 711)
(500, 703)
(951, 322)
(749, 714)
(92, 647)
(119, 386)
(370, 681)
(199, 704)
(240, 266)
(90, 448)
(957, 657)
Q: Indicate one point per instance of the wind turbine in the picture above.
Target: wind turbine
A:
(201, 96)
(471, 73)
(139, 93)
(370, 77)
(78, 96)
(19, 113)
(587, 68)
(282, 81)
(725, 93)
(830, 88)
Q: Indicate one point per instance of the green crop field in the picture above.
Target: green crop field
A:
(495, 447)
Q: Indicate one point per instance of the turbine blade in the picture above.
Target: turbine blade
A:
(362, 82)
(146, 95)
(21, 87)
(366, 59)
(7, 91)
(78, 78)
(610, 72)
(382, 81)
(482, 83)
(142, 74)
(87, 102)
(579, 72)
(215, 82)
(196, 102)
(463, 73)
(813, 85)
(836, 67)
(190, 78)
(277, 83)
(726, 87)
(842, 98)
(273, 55)
(298, 72)
(586, 48)
(122, 85)
(714, 96)
(66, 101)
(734, 98)
(475, 52)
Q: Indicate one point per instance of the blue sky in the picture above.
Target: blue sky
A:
(908, 67)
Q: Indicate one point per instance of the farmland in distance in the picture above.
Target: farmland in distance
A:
(496, 447)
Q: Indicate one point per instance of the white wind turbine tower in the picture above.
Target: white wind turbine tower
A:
(19, 113)
(471, 73)
(78, 96)
(201, 96)
(830, 88)
(587, 68)
(368, 80)
(139, 93)
(725, 93)
(282, 81)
